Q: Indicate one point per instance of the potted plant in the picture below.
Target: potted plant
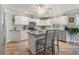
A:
(73, 33)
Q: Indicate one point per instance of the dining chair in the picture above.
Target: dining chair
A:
(46, 44)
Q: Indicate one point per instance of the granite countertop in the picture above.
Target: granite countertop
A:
(37, 32)
(14, 30)
(40, 32)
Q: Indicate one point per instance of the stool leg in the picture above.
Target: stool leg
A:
(53, 48)
(36, 47)
(58, 45)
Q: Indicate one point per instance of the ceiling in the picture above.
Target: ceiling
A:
(42, 9)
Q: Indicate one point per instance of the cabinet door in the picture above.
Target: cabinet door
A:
(13, 36)
(24, 20)
(17, 20)
(41, 22)
(24, 35)
(21, 20)
(37, 22)
(33, 20)
(48, 22)
(44, 22)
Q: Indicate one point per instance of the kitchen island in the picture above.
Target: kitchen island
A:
(33, 37)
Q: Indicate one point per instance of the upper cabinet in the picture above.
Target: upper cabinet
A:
(33, 20)
(21, 20)
(63, 20)
(17, 20)
(44, 22)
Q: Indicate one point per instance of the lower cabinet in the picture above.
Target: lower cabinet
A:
(16, 35)
(32, 43)
(62, 36)
(24, 35)
(13, 35)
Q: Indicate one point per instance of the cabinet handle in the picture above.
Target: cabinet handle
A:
(4, 42)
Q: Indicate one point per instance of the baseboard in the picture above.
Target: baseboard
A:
(14, 41)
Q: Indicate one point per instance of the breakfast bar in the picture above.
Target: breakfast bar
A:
(35, 36)
(32, 38)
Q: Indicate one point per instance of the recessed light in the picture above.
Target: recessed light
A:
(59, 12)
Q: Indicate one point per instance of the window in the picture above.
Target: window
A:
(56, 25)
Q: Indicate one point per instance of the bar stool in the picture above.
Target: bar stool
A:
(46, 44)
(57, 38)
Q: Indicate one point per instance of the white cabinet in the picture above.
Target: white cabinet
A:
(32, 20)
(21, 20)
(48, 22)
(16, 35)
(9, 21)
(17, 20)
(63, 20)
(38, 22)
(13, 35)
(44, 22)
(24, 35)
(24, 20)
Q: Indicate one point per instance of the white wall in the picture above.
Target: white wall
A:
(77, 21)
(1, 33)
